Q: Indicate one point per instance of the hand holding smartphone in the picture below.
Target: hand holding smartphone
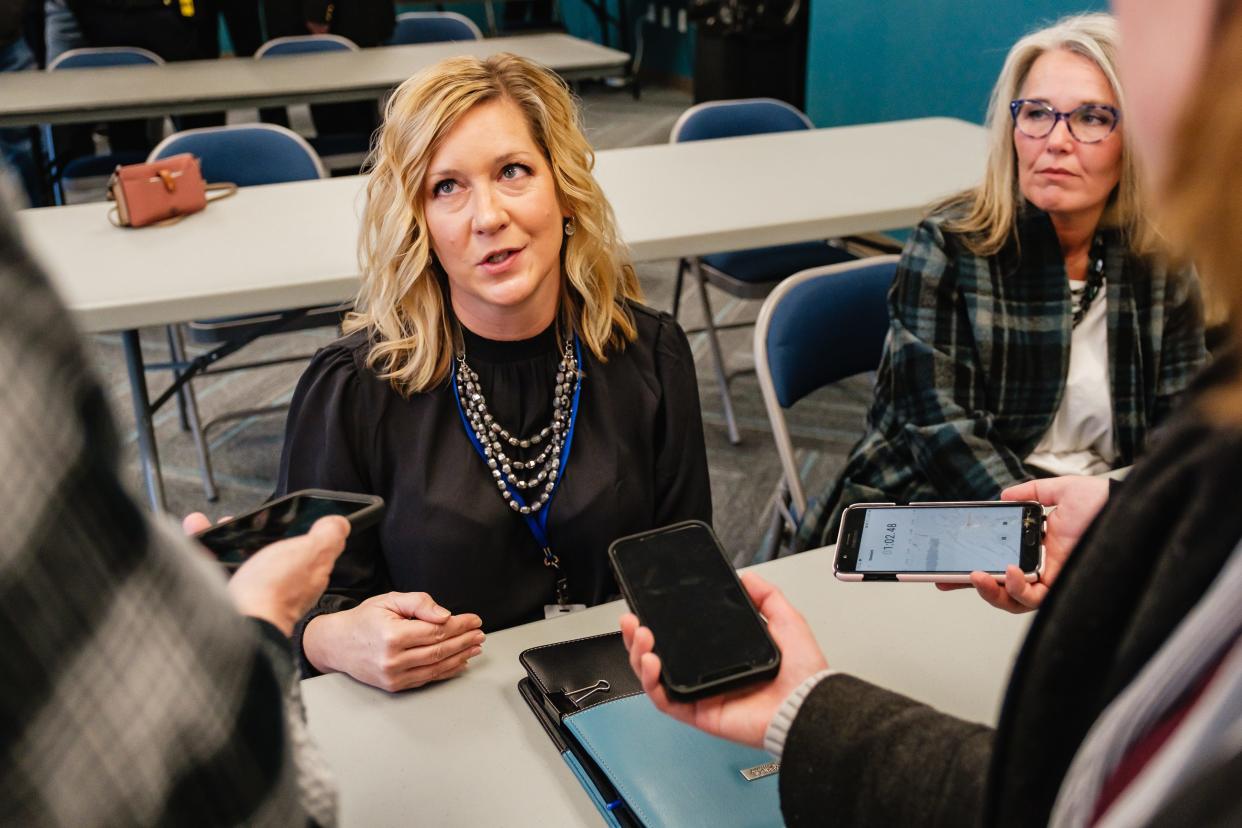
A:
(235, 541)
(939, 542)
(708, 634)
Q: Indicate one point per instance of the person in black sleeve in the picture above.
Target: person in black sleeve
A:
(153, 25)
(500, 384)
(1125, 702)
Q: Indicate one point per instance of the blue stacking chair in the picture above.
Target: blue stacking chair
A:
(246, 155)
(817, 327)
(433, 27)
(84, 177)
(339, 151)
(746, 274)
(305, 44)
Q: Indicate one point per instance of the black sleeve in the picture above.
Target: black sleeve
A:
(326, 447)
(683, 489)
(863, 756)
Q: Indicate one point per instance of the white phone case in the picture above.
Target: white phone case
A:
(928, 577)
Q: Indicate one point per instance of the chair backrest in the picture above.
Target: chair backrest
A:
(80, 176)
(433, 27)
(729, 119)
(304, 44)
(95, 58)
(817, 327)
(246, 154)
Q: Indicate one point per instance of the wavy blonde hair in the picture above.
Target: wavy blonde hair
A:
(988, 212)
(403, 302)
(1199, 205)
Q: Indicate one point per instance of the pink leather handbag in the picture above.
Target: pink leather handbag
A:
(160, 192)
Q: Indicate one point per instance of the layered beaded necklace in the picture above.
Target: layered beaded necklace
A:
(525, 495)
(1095, 279)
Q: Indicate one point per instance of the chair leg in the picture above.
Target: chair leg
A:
(677, 285)
(773, 538)
(193, 420)
(717, 356)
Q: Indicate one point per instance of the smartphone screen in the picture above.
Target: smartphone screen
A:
(680, 585)
(940, 539)
(236, 540)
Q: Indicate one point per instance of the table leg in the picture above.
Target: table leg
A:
(147, 450)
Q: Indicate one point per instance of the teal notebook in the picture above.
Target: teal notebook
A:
(640, 767)
(670, 775)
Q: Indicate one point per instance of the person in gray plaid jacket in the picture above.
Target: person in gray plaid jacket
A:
(979, 388)
(134, 690)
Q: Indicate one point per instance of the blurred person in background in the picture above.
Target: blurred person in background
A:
(16, 150)
(1124, 707)
(1037, 326)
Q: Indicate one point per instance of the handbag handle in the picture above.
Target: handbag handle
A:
(225, 189)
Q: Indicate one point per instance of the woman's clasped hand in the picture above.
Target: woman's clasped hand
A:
(395, 641)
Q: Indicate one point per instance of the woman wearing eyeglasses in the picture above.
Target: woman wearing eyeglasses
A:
(1034, 328)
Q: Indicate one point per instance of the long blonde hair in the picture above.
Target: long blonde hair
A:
(1200, 207)
(402, 302)
(985, 215)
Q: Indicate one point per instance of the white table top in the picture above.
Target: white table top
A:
(209, 85)
(289, 245)
(469, 752)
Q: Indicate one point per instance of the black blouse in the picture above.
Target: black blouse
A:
(637, 462)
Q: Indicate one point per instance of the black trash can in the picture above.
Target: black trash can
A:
(750, 49)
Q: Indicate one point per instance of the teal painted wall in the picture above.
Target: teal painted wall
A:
(890, 59)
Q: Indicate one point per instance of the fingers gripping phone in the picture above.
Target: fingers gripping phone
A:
(234, 541)
(942, 542)
(708, 635)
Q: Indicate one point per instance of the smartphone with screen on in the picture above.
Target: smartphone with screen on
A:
(708, 635)
(235, 540)
(942, 542)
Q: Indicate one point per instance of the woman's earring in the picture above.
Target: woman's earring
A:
(570, 226)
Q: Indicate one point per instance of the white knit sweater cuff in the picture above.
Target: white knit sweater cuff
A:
(778, 728)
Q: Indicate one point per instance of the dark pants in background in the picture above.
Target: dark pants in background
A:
(16, 148)
(241, 17)
(527, 14)
(157, 28)
(365, 22)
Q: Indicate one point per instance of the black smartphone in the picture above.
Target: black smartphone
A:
(235, 540)
(942, 542)
(708, 635)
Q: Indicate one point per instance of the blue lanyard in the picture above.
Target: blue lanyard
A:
(537, 522)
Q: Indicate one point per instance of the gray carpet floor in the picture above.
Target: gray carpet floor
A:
(245, 453)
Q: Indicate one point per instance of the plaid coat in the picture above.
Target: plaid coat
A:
(976, 358)
(131, 692)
